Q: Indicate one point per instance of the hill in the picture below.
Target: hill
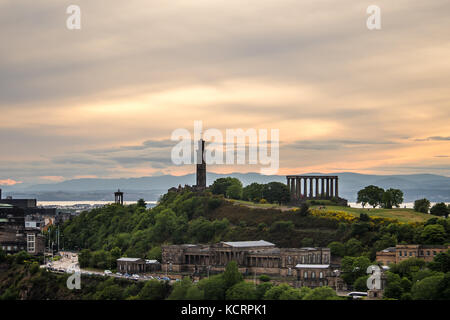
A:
(433, 187)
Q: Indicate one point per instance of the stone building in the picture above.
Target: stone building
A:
(137, 265)
(405, 251)
(253, 258)
(15, 236)
(304, 188)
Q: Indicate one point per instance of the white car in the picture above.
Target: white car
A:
(108, 272)
(135, 276)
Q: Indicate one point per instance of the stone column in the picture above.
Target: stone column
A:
(310, 187)
(297, 191)
(317, 188)
(332, 188)
(305, 188)
(336, 190)
(328, 187)
(322, 194)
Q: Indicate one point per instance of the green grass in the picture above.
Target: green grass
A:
(401, 214)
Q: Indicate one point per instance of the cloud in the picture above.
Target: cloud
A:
(9, 182)
(104, 100)
(434, 138)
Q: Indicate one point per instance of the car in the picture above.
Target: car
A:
(127, 275)
(157, 278)
(357, 295)
(150, 277)
(165, 279)
(107, 272)
(177, 280)
(118, 274)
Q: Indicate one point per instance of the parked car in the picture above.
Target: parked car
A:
(118, 274)
(108, 272)
(165, 279)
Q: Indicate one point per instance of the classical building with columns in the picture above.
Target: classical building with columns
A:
(311, 266)
(304, 188)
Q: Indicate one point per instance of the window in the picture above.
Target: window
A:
(305, 274)
(434, 253)
(31, 240)
(313, 275)
(405, 253)
(410, 254)
(321, 275)
(428, 253)
(399, 253)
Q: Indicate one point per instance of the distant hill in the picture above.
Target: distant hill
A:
(415, 186)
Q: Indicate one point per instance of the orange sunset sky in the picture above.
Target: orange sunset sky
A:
(103, 101)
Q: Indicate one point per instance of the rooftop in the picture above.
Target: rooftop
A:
(245, 244)
(129, 259)
(312, 266)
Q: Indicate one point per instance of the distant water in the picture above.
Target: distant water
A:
(82, 202)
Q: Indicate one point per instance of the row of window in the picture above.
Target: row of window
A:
(412, 253)
(313, 275)
(311, 258)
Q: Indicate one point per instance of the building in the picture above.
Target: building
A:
(309, 266)
(137, 265)
(15, 236)
(304, 188)
(118, 197)
(405, 251)
(201, 167)
(35, 222)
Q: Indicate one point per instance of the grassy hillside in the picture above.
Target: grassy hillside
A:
(189, 217)
(400, 214)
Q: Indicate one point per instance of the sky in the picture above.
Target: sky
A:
(104, 100)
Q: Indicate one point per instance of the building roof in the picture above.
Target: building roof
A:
(245, 244)
(312, 266)
(5, 205)
(129, 259)
(151, 261)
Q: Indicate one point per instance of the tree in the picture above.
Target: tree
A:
(427, 289)
(353, 247)
(322, 293)
(221, 185)
(433, 234)
(231, 276)
(422, 205)
(275, 292)
(84, 258)
(439, 209)
(180, 289)
(372, 195)
(213, 288)
(234, 191)
(291, 294)
(155, 253)
(153, 290)
(194, 293)
(2, 255)
(443, 288)
(253, 192)
(392, 197)
(337, 248)
(353, 268)
(141, 203)
(360, 284)
(276, 192)
(262, 288)
(441, 262)
(242, 291)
